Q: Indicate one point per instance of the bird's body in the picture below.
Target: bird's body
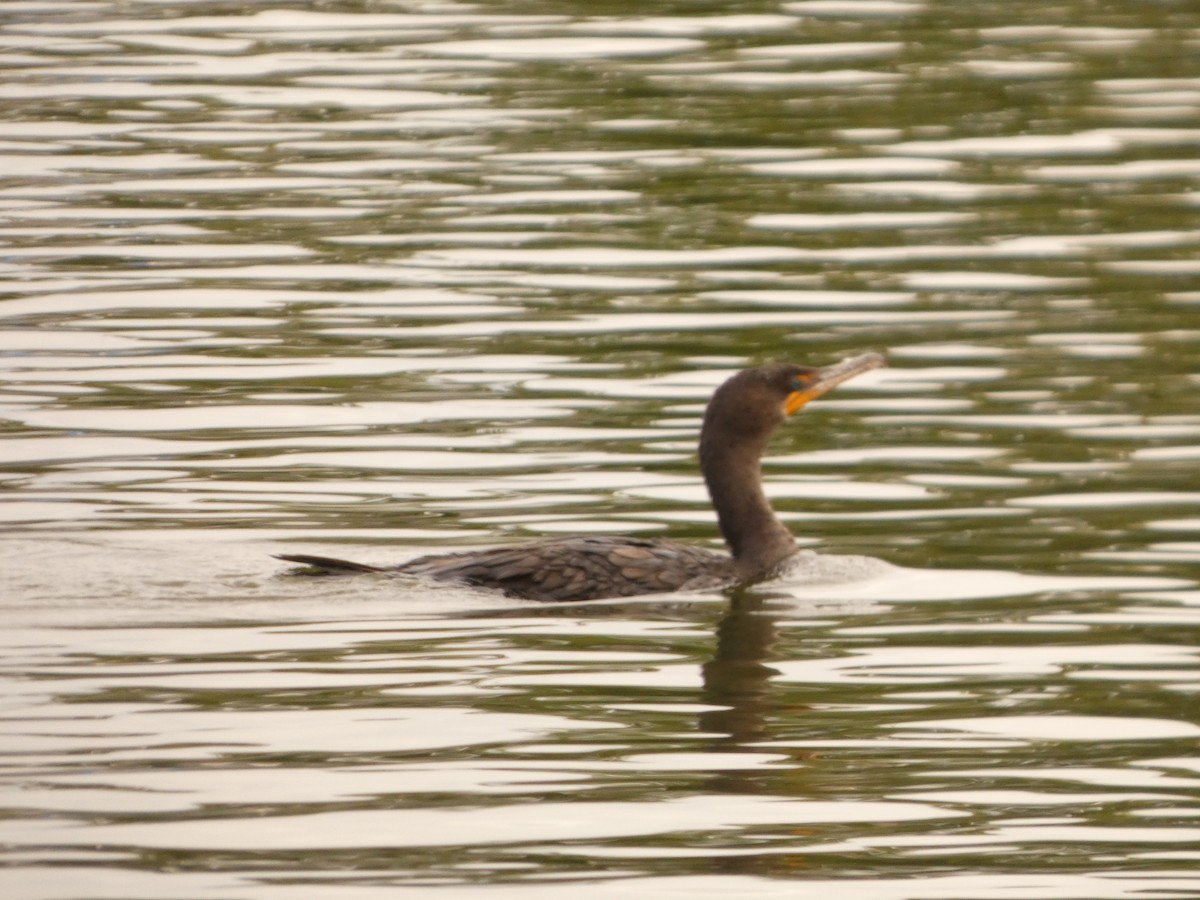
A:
(563, 568)
(739, 421)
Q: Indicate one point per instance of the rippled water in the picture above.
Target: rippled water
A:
(372, 279)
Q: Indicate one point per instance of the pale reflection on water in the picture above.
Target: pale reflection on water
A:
(378, 280)
(823, 722)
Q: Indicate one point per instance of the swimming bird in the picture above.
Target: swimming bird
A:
(740, 418)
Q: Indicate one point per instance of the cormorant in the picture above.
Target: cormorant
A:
(740, 419)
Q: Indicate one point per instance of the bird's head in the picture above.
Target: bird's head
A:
(755, 401)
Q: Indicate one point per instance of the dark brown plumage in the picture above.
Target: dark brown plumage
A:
(739, 421)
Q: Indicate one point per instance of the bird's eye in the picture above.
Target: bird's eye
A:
(801, 382)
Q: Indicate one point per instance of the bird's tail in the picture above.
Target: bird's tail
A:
(326, 565)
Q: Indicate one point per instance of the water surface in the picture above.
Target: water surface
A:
(379, 279)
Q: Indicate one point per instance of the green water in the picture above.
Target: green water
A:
(375, 279)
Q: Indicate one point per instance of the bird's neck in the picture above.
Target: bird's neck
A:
(757, 539)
